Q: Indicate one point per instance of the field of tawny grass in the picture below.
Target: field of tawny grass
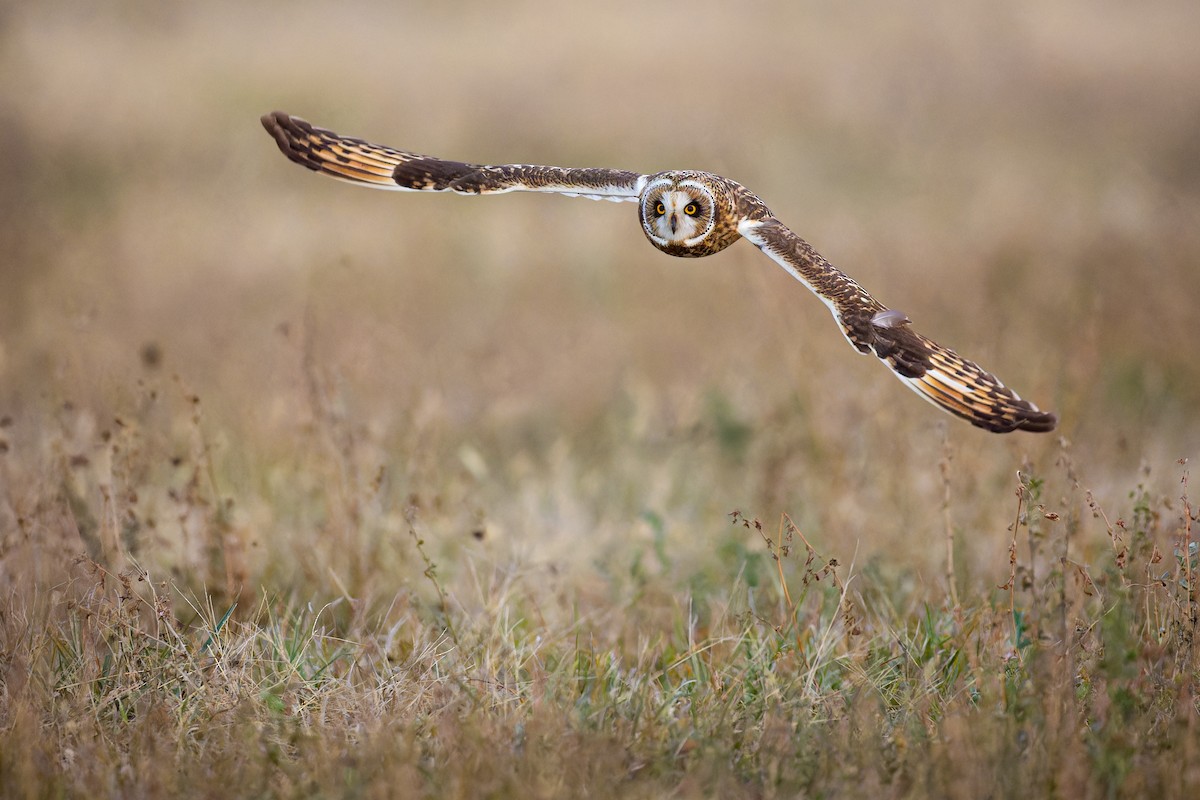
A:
(312, 491)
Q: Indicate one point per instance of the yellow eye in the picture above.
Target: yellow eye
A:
(691, 209)
(660, 209)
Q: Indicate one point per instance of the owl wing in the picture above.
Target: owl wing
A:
(367, 164)
(936, 373)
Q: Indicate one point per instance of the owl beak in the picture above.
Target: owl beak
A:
(674, 223)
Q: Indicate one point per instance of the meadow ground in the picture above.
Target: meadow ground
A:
(307, 490)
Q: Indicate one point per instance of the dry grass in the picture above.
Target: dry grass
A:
(311, 491)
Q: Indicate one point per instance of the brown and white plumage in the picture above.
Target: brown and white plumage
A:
(690, 214)
(361, 162)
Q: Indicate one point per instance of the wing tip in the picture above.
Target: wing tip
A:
(1030, 420)
(1015, 415)
(287, 131)
(1035, 420)
(273, 119)
(281, 120)
(998, 413)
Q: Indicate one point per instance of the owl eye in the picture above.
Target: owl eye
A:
(691, 209)
(660, 209)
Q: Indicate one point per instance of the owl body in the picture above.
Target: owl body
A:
(690, 214)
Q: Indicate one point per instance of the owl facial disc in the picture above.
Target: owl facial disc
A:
(677, 214)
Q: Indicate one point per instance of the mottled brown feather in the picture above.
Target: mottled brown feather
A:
(386, 167)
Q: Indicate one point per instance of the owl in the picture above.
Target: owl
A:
(690, 214)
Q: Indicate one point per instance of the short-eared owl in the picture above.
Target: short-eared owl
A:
(690, 214)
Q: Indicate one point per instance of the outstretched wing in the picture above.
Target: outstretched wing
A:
(938, 374)
(367, 164)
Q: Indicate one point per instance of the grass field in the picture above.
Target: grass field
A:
(312, 491)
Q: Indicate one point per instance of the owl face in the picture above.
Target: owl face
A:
(681, 213)
(677, 212)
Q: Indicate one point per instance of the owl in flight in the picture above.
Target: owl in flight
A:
(690, 214)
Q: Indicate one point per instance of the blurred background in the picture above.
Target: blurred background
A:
(224, 362)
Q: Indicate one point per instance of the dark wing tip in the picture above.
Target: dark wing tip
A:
(1015, 418)
(281, 121)
(288, 131)
(272, 120)
(1037, 421)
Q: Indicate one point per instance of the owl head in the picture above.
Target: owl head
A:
(689, 214)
